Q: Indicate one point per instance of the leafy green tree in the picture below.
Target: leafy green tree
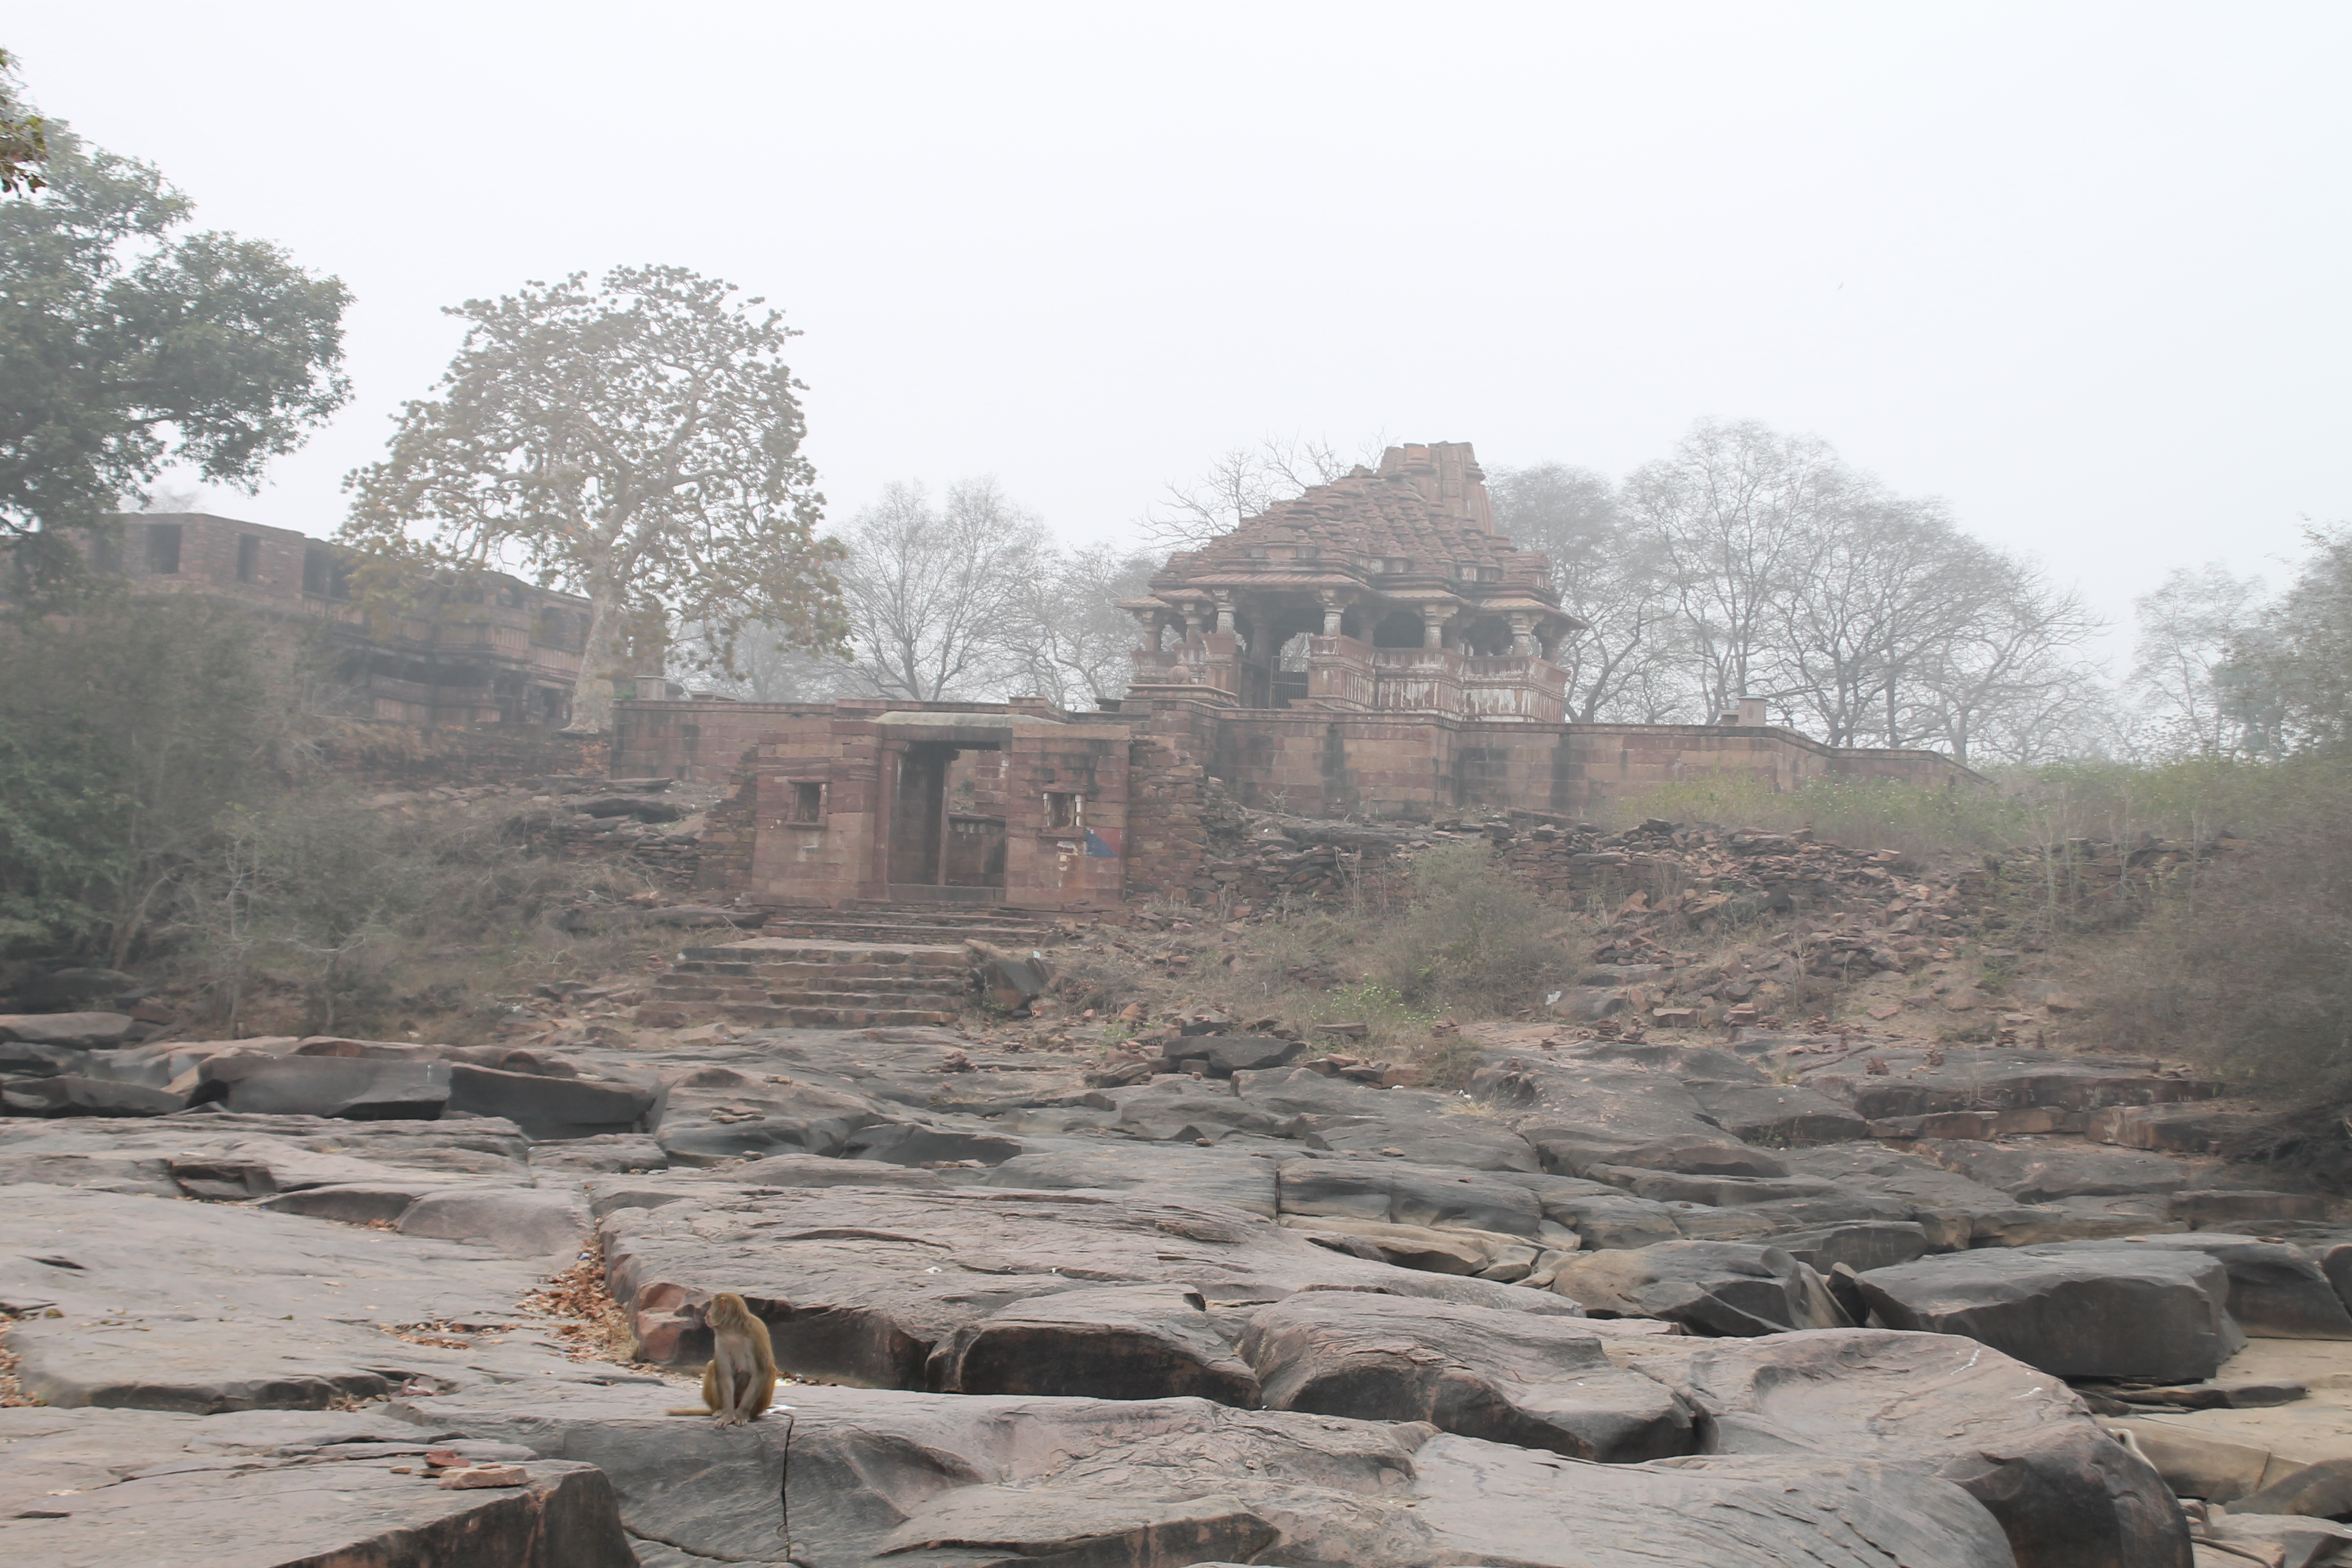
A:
(123, 348)
(638, 443)
(24, 137)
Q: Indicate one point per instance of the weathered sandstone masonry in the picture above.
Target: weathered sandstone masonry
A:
(1373, 648)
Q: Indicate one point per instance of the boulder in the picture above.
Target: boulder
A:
(360, 1203)
(1860, 1245)
(528, 1222)
(67, 1094)
(2321, 1491)
(1186, 1109)
(717, 1115)
(1506, 1377)
(600, 1153)
(1708, 1287)
(1610, 1223)
(1396, 1192)
(1715, 1192)
(1222, 1056)
(2145, 1315)
(1134, 1341)
(2067, 1493)
(351, 1088)
(1785, 1115)
(2042, 1173)
(1237, 1172)
(86, 1030)
(2279, 1541)
(36, 1058)
(1422, 1126)
(1452, 1250)
(2196, 1464)
(920, 1143)
(548, 1107)
(2223, 1209)
(2276, 1291)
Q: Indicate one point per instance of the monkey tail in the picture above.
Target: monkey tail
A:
(689, 1410)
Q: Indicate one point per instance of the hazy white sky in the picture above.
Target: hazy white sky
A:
(2080, 269)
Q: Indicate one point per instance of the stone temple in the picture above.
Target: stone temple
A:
(1371, 649)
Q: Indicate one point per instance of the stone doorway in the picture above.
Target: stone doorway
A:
(946, 826)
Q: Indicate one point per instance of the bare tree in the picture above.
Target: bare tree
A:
(1890, 582)
(1740, 511)
(935, 595)
(1070, 641)
(770, 666)
(2192, 631)
(1242, 483)
(1610, 576)
(2011, 683)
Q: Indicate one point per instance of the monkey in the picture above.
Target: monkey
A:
(742, 1377)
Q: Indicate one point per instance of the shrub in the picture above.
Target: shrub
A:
(1473, 937)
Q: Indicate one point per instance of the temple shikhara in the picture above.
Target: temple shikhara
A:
(1371, 648)
(1386, 592)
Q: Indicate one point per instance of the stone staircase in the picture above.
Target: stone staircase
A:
(918, 923)
(842, 969)
(780, 982)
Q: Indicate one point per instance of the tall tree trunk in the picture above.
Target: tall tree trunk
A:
(601, 661)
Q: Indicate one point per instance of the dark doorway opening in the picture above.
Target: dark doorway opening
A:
(943, 833)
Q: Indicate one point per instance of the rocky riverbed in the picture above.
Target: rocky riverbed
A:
(1764, 1299)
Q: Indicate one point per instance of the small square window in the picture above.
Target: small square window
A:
(248, 558)
(1063, 811)
(808, 803)
(163, 548)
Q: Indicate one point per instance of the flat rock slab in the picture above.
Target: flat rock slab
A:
(101, 1488)
(864, 1285)
(199, 1308)
(2146, 1315)
(879, 1477)
(1708, 1287)
(1396, 1192)
(513, 1222)
(1238, 1172)
(87, 1030)
(217, 1154)
(1421, 1125)
(2039, 1174)
(1509, 1377)
(2067, 1494)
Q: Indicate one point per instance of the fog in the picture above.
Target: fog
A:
(2078, 270)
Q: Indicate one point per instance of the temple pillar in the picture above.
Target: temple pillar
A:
(1224, 612)
(1334, 613)
(1523, 634)
(1433, 623)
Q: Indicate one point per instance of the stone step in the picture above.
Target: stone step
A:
(853, 930)
(926, 976)
(809, 950)
(803, 995)
(772, 1015)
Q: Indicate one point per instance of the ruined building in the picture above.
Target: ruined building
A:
(491, 650)
(1372, 647)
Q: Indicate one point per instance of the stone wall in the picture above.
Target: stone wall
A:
(1142, 779)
